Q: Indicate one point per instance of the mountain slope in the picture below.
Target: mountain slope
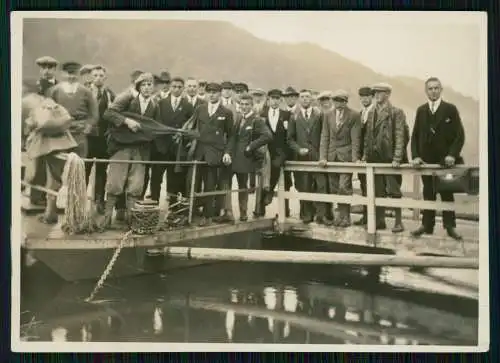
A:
(219, 51)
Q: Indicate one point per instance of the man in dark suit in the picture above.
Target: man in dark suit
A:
(175, 110)
(386, 138)
(277, 121)
(249, 135)
(45, 82)
(340, 139)
(97, 137)
(304, 136)
(366, 99)
(128, 178)
(438, 138)
(214, 124)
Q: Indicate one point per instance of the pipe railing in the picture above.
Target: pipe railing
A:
(370, 200)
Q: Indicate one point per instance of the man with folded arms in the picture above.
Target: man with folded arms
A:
(340, 139)
(438, 137)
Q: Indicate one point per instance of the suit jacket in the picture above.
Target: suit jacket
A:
(107, 98)
(436, 136)
(385, 132)
(252, 133)
(232, 108)
(126, 102)
(215, 134)
(304, 133)
(44, 85)
(197, 103)
(165, 144)
(278, 147)
(340, 144)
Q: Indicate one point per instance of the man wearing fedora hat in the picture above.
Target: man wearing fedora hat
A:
(162, 85)
(291, 96)
(340, 139)
(386, 139)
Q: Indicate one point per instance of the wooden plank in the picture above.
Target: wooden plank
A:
(370, 204)
(282, 196)
(438, 243)
(111, 239)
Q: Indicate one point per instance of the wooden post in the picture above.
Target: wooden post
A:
(192, 192)
(281, 197)
(370, 206)
(167, 207)
(416, 195)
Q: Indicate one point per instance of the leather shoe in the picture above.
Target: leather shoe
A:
(453, 234)
(420, 231)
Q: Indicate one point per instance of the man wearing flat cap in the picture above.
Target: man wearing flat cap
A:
(86, 75)
(250, 135)
(386, 139)
(325, 100)
(45, 82)
(438, 138)
(202, 89)
(304, 136)
(128, 178)
(366, 99)
(277, 121)
(259, 100)
(79, 101)
(214, 124)
(340, 139)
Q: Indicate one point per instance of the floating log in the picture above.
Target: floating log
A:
(354, 259)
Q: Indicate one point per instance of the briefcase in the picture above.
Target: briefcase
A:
(453, 180)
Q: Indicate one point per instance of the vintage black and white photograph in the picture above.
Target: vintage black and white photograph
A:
(249, 180)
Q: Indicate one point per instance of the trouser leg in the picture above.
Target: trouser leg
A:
(242, 179)
(429, 193)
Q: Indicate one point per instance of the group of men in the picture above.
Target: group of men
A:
(247, 135)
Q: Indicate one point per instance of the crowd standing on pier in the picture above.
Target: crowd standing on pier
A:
(239, 132)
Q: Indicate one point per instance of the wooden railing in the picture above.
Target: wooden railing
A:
(371, 170)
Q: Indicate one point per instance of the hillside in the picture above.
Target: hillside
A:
(219, 51)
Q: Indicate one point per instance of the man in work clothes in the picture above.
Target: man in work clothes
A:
(249, 135)
(47, 80)
(304, 136)
(438, 137)
(386, 137)
(340, 139)
(128, 178)
(97, 137)
(86, 76)
(366, 99)
(214, 124)
(277, 120)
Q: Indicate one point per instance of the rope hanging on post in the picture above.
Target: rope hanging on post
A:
(78, 216)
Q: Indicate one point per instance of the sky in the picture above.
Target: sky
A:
(448, 45)
(418, 44)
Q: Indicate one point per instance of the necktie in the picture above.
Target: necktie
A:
(99, 93)
(175, 104)
(274, 113)
(433, 107)
(307, 114)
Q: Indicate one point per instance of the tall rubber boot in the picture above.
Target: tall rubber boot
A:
(109, 206)
(398, 223)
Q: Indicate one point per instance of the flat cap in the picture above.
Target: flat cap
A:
(213, 87)
(258, 92)
(290, 91)
(86, 69)
(365, 91)
(135, 74)
(340, 95)
(143, 77)
(71, 67)
(241, 87)
(275, 93)
(46, 61)
(382, 87)
(226, 85)
(325, 95)
(202, 82)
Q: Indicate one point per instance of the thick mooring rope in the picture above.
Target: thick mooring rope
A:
(78, 217)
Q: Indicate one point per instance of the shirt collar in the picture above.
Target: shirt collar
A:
(143, 99)
(249, 114)
(436, 103)
(214, 106)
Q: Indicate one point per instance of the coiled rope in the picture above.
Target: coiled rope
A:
(78, 216)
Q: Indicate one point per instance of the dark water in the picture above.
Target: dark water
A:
(252, 303)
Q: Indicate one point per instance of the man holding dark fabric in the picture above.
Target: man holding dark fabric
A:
(438, 138)
(366, 99)
(97, 137)
(214, 124)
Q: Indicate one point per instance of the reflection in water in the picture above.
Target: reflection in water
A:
(254, 308)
